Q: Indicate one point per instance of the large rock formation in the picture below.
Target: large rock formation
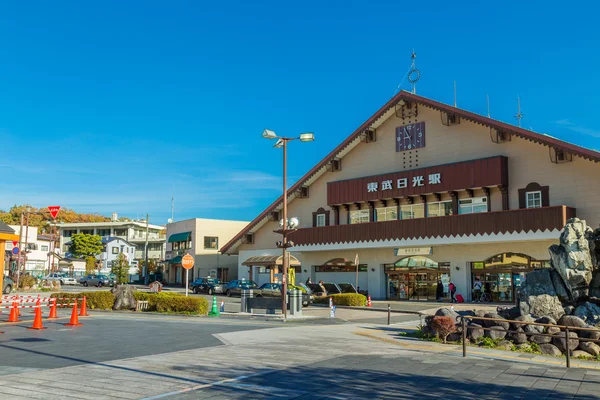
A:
(124, 299)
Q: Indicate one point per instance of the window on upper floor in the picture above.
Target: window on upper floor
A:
(44, 248)
(472, 205)
(103, 232)
(359, 216)
(69, 232)
(412, 211)
(211, 242)
(439, 208)
(386, 214)
(115, 250)
(320, 220)
(533, 199)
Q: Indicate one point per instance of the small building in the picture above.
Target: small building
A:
(113, 246)
(37, 249)
(201, 238)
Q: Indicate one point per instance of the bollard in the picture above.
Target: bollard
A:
(567, 350)
(464, 337)
(222, 306)
(389, 312)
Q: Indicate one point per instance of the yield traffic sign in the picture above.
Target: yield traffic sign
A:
(187, 261)
(54, 211)
(15, 243)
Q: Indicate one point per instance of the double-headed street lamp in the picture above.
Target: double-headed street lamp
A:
(286, 227)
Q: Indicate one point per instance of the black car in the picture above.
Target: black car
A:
(236, 287)
(332, 288)
(275, 289)
(207, 285)
(347, 288)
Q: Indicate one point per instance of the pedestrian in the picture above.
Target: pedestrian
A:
(452, 288)
(439, 291)
(477, 290)
(308, 281)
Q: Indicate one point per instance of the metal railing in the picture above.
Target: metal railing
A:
(563, 328)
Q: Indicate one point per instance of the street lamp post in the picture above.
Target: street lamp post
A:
(284, 231)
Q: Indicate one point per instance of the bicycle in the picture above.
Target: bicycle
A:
(485, 297)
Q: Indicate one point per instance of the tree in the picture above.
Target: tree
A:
(120, 268)
(90, 265)
(42, 217)
(84, 245)
(151, 266)
(443, 326)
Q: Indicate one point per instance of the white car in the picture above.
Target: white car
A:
(63, 279)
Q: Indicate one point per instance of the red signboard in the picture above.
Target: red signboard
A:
(15, 243)
(54, 211)
(492, 171)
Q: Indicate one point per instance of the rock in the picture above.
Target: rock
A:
(572, 258)
(475, 331)
(517, 337)
(569, 310)
(522, 318)
(590, 347)
(526, 347)
(505, 345)
(589, 334)
(571, 320)
(543, 304)
(446, 312)
(489, 324)
(595, 283)
(588, 312)
(124, 299)
(552, 330)
(560, 342)
(509, 313)
(581, 354)
(496, 332)
(550, 350)
(559, 287)
(540, 339)
(454, 337)
(546, 320)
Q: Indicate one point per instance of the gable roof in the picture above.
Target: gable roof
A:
(383, 114)
(4, 228)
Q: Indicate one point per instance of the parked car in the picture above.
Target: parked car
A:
(235, 287)
(332, 288)
(347, 288)
(275, 289)
(317, 290)
(96, 280)
(62, 278)
(207, 285)
(7, 285)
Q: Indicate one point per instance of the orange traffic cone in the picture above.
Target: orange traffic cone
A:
(74, 320)
(13, 317)
(369, 301)
(83, 312)
(53, 314)
(37, 320)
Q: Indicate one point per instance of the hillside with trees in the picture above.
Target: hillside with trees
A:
(41, 217)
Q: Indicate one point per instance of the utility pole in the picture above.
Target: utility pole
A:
(20, 251)
(26, 242)
(146, 277)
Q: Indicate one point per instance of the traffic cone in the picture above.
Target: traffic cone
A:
(53, 314)
(83, 312)
(37, 320)
(369, 301)
(215, 311)
(13, 317)
(74, 320)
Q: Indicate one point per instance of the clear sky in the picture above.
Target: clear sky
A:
(115, 106)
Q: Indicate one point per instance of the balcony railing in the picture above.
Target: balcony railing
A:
(510, 221)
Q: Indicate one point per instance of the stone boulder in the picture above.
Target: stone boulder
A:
(581, 354)
(571, 320)
(590, 334)
(546, 320)
(496, 332)
(595, 283)
(550, 350)
(446, 312)
(518, 337)
(572, 259)
(509, 312)
(454, 337)
(569, 309)
(552, 330)
(522, 318)
(560, 342)
(489, 324)
(540, 339)
(475, 332)
(590, 347)
(505, 345)
(588, 312)
(538, 295)
(124, 299)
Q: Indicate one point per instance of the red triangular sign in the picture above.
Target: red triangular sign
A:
(15, 243)
(54, 211)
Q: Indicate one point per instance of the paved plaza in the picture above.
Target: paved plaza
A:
(132, 356)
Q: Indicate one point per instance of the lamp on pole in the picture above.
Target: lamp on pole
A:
(286, 228)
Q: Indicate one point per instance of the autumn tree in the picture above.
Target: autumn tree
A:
(41, 217)
(84, 245)
(443, 326)
(120, 268)
(90, 265)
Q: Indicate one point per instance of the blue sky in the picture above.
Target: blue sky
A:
(114, 106)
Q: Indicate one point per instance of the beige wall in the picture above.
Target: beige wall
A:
(574, 184)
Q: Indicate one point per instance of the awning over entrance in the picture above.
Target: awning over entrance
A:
(339, 262)
(270, 260)
(180, 237)
(175, 260)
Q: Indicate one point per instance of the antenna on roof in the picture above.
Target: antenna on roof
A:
(413, 74)
(487, 98)
(454, 93)
(519, 115)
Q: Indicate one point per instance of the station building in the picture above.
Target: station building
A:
(424, 191)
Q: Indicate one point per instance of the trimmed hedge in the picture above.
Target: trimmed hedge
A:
(344, 299)
(101, 300)
(173, 303)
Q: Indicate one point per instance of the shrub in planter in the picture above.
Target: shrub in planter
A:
(173, 302)
(443, 326)
(26, 281)
(349, 299)
(101, 300)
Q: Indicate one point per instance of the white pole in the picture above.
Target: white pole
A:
(186, 282)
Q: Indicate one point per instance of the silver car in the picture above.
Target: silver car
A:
(63, 279)
(96, 280)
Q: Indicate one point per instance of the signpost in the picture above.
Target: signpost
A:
(54, 211)
(187, 262)
(15, 250)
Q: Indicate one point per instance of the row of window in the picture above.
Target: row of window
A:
(435, 209)
(210, 243)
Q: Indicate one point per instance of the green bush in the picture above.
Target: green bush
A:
(344, 299)
(101, 300)
(26, 281)
(173, 303)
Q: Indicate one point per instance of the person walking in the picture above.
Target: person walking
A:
(452, 288)
(439, 291)
(477, 290)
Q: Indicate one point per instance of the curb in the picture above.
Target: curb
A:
(371, 309)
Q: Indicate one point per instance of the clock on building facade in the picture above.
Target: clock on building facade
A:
(410, 137)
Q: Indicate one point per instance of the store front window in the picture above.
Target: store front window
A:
(359, 216)
(411, 211)
(416, 278)
(473, 205)
(503, 274)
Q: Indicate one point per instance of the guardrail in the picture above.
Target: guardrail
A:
(563, 328)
